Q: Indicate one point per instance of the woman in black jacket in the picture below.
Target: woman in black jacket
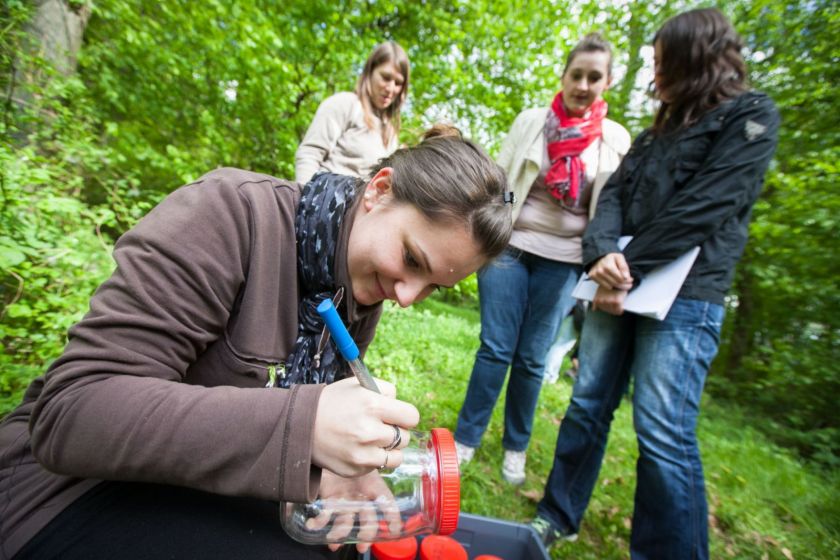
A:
(690, 180)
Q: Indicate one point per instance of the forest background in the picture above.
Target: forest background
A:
(108, 105)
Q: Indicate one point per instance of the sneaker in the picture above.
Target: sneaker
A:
(465, 453)
(513, 467)
(548, 534)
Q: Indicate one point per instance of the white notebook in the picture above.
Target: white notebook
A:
(658, 290)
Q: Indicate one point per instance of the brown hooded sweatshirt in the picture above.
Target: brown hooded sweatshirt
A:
(164, 379)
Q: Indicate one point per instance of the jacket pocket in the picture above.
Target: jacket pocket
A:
(222, 364)
(684, 169)
(692, 149)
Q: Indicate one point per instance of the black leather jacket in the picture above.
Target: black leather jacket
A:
(695, 186)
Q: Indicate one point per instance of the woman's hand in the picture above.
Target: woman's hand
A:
(353, 426)
(346, 499)
(611, 271)
(609, 300)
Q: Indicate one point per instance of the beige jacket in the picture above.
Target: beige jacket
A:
(339, 140)
(524, 149)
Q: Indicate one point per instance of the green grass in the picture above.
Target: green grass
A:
(764, 503)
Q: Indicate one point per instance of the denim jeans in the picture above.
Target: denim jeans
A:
(667, 361)
(523, 298)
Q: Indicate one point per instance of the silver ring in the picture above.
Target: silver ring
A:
(385, 463)
(397, 439)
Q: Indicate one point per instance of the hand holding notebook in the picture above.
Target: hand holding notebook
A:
(657, 291)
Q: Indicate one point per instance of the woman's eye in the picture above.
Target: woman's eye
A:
(410, 260)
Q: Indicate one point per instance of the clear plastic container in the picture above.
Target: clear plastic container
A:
(420, 496)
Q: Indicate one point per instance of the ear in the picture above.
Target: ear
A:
(378, 189)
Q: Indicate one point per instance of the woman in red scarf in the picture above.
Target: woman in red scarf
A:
(556, 161)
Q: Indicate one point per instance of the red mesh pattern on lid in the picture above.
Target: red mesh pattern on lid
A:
(449, 481)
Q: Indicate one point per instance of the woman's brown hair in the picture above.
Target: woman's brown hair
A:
(700, 66)
(451, 180)
(386, 52)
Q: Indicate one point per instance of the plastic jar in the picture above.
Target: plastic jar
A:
(420, 496)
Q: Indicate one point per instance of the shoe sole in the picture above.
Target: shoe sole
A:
(513, 479)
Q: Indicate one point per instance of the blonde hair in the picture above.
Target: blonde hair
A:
(386, 52)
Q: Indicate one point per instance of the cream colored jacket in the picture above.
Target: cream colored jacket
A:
(339, 141)
(524, 149)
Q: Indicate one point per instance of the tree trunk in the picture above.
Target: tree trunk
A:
(56, 32)
(637, 34)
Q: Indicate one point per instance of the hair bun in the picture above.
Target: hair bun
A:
(441, 130)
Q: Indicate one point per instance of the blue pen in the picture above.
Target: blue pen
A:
(345, 344)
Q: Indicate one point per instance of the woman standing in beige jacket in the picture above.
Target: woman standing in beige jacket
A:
(352, 131)
(556, 161)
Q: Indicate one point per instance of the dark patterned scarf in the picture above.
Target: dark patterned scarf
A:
(322, 208)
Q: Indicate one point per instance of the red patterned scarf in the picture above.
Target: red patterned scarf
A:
(567, 171)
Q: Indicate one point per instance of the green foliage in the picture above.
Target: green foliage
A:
(780, 345)
(52, 250)
(464, 292)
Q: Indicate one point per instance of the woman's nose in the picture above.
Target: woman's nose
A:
(409, 292)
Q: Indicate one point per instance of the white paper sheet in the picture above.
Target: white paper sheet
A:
(658, 290)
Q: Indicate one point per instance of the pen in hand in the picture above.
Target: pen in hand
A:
(345, 344)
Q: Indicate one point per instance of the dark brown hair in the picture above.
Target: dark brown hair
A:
(388, 51)
(700, 66)
(592, 42)
(450, 180)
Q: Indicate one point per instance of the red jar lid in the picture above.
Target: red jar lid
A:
(439, 547)
(449, 481)
(403, 549)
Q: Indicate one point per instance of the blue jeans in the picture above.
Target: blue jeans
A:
(523, 298)
(668, 361)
